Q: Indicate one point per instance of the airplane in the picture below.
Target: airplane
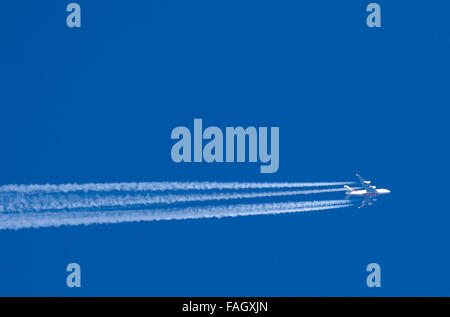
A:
(369, 192)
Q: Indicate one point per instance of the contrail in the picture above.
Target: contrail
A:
(156, 186)
(56, 219)
(20, 202)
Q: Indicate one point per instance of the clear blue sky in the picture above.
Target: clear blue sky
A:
(97, 104)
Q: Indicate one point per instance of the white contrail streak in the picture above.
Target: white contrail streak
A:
(56, 219)
(156, 186)
(19, 202)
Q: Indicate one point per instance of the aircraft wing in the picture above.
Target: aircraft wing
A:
(365, 202)
(364, 183)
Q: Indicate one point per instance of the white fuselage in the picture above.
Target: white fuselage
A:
(368, 193)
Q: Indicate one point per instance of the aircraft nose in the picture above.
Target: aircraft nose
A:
(388, 191)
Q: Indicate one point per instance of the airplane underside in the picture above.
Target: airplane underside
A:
(367, 192)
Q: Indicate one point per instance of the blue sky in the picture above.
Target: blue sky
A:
(97, 104)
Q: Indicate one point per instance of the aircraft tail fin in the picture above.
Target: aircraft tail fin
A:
(349, 188)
